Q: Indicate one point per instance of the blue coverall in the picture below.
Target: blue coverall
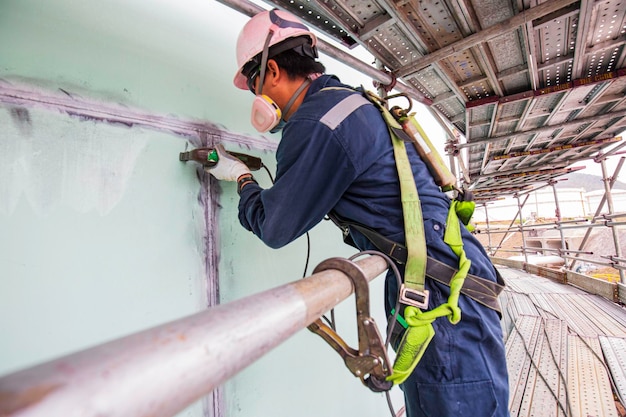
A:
(333, 159)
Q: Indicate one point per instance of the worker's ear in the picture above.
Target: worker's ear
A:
(274, 73)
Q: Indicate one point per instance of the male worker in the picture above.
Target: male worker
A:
(336, 156)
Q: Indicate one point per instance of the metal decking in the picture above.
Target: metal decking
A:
(566, 349)
(533, 86)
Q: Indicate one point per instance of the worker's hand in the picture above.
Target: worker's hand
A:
(228, 167)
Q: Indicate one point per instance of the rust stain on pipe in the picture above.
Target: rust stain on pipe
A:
(11, 402)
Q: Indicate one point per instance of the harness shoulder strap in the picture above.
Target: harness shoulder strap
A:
(413, 291)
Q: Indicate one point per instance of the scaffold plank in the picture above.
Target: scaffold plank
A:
(577, 320)
(604, 320)
(614, 349)
(616, 311)
(525, 305)
(588, 383)
(544, 305)
(549, 394)
(536, 358)
(555, 345)
(515, 305)
(519, 348)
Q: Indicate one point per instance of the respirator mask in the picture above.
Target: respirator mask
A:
(266, 115)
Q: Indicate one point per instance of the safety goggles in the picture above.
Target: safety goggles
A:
(252, 79)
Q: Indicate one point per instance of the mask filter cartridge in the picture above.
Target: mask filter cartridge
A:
(265, 113)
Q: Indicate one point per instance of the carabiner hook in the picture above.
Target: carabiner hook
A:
(370, 362)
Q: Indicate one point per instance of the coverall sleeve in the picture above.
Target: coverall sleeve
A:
(313, 172)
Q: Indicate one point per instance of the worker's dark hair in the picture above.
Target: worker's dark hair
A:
(299, 61)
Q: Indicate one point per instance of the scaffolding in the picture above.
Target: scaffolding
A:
(571, 256)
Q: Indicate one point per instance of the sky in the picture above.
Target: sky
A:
(595, 168)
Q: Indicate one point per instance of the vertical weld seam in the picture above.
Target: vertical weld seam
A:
(214, 402)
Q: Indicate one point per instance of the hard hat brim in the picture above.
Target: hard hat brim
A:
(240, 81)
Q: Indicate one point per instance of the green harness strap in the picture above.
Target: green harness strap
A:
(415, 269)
(420, 330)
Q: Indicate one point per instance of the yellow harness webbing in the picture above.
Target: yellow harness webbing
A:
(413, 294)
(420, 330)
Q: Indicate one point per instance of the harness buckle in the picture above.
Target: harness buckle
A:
(413, 297)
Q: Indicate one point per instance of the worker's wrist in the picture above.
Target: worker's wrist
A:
(244, 180)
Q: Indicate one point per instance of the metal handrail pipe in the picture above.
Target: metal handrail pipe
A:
(514, 229)
(591, 261)
(160, 371)
(601, 224)
(496, 228)
(609, 216)
(604, 199)
(559, 250)
(613, 258)
(494, 249)
(552, 224)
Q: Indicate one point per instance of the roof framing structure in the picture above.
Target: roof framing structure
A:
(530, 86)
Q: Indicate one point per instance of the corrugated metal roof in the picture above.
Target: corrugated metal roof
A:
(533, 86)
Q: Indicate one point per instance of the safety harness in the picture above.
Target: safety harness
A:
(413, 295)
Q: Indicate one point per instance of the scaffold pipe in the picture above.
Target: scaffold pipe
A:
(609, 216)
(559, 250)
(606, 223)
(595, 262)
(160, 371)
(552, 224)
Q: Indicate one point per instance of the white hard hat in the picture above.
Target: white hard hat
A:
(253, 37)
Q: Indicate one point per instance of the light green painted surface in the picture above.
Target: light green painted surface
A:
(100, 236)
(101, 230)
(170, 57)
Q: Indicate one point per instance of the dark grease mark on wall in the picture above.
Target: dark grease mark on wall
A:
(21, 117)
